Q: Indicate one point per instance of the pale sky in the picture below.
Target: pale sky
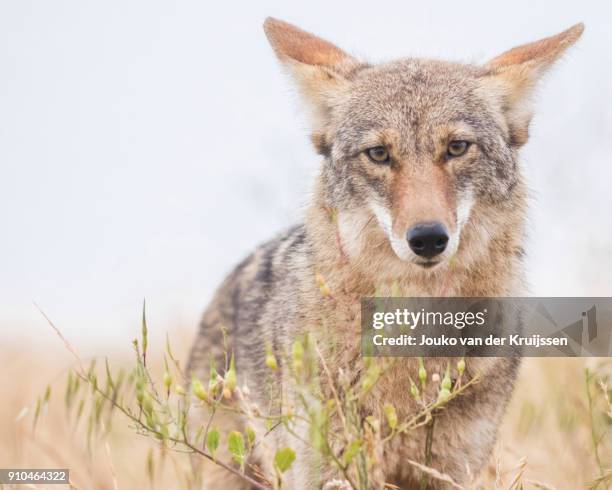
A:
(146, 147)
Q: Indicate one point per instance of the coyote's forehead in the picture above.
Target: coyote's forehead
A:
(417, 103)
(416, 99)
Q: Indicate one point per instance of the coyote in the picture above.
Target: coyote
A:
(419, 191)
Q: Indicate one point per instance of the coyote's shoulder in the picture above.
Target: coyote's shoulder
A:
(420, 192)
(250, 298)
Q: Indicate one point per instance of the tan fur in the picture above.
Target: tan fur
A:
(355, 224)
(412, 205)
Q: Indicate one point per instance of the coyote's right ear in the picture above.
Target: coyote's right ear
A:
(320, 69)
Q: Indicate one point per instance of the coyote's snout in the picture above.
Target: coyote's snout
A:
(424, 212)
(420, 193)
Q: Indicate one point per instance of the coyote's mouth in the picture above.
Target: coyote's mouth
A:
(429, 264)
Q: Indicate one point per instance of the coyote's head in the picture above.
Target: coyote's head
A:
(418, 143)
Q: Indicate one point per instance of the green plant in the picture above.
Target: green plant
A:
(329, 405)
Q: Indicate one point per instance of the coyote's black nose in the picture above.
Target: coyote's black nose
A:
(427, 239)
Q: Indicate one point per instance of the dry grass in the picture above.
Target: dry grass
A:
(545, 441)
(546, 437)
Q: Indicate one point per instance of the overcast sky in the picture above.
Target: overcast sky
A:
(146, 147)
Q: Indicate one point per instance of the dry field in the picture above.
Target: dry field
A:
(550, 437)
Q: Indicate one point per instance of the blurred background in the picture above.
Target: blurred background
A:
(146, 147)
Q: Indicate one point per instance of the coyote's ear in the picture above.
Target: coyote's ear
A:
(514, 74)
(320, 69)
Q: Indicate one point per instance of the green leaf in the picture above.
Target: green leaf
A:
(109, 377)
(391, 415)
(351, 451)
(47, 394)
(446, 381)
(150, 465)
(213, 382)
(270, 359)
(284, 458)
(370, 378)
(168, 349)
(212, 441)
(230, 375)
(68, 394)
(250, 433)
(198, 389)
(145, 334)
(79, 411)
(318, 430)
(236, 447)
(36, 411)
(298, 357)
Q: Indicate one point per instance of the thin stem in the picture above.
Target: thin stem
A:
(334, 392)
(184, 441)
(212, 416)
(66, 343)
(428, 444)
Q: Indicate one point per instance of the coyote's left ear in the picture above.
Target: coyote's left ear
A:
(320, 69)
(513, 75)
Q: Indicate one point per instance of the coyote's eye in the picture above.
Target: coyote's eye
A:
(456, 148)
(378, 154)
